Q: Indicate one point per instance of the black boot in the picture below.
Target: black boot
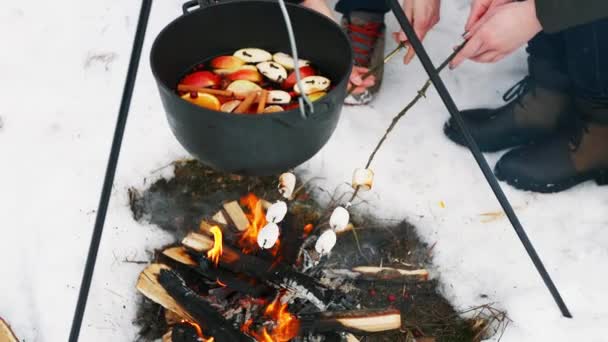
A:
(564, 161)
(535, 113)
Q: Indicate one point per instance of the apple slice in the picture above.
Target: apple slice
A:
(273, 71)
(287, 61)
(315, 96)
(230, 106)
(202, 99)
(241, 88)
(291, 80)
(313, 84)
(226, 62)
(273, 109)
(253, 55)
(278, 97)
(245, 74)
(202, 79)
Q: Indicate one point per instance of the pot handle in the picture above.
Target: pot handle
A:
(193, 3)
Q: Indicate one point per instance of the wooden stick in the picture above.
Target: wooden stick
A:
(219, 217)
(262, 101)
(188, 88)
(6, 334)
(247, 102)
(149, 286)
(236, 214)
(361, 322)
(389, 273)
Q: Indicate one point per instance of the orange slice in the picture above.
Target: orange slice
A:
(204, 100)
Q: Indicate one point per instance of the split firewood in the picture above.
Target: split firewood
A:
(171, 318)
(220, 276)
(149, 286)
(390, 273)
(277, 274)
(168, 336)
(237, 215)
(6, 334)
(219, 217)
(361, 322)
(209, 320)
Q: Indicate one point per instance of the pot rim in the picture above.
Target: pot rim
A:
(250, 117)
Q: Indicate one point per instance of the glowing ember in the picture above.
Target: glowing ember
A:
(308, 229)
(286, 326)
(199, 332)
(257, 220)
(220, 283)
(215, 253)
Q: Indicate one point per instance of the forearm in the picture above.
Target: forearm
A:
(558, 15)
(319, 6)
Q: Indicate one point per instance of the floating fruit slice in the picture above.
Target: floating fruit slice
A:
(273, 71)
(287, 61)
(313, 84)
(245, 74)
(204, 100)
(230, 106)
(273, 109)
(243, 87)
(226, 62)
(202, 79)
(278, 97)
(253, 55)
(291, 80)
(315, 96)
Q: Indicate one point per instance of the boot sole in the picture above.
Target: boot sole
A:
(600, 177)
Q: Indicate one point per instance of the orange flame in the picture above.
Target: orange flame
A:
(220, 283)
(286, 325)
(199, 331)
(257, 221)
(215, 253)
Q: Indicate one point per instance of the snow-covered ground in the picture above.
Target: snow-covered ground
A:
(62, 69)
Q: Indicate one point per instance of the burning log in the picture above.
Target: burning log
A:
(205, 269)
(186, 332)
(277, 274)
(149, 286)
(361, 322)
(6, 334)
(236, 215)
(211, 322)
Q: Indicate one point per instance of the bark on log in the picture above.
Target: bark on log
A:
(6, 334)
(362, 322)
(211, 322)
(277, 274)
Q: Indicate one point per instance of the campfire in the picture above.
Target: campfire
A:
(246, 274)
(255, 263)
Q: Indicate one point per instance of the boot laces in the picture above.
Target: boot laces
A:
(519, 89)
(366, 35)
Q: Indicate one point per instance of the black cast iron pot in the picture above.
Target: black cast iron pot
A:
(250, 144)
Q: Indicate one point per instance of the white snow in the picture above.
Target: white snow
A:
(62, 70)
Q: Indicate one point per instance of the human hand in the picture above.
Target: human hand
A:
(479, 8)
(356, 80)
(499, 33)
(423, 14)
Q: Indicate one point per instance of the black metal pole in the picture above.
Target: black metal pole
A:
(111, 169)
(481, 161)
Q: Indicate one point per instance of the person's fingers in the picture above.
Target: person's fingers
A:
(369, 82)
(486, 57)
(478, 9)
(409, 55)
(399, 37)
(472, 48)
(361, 70)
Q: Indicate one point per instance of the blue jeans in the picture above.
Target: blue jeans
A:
(347, 6)
(576, 58)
